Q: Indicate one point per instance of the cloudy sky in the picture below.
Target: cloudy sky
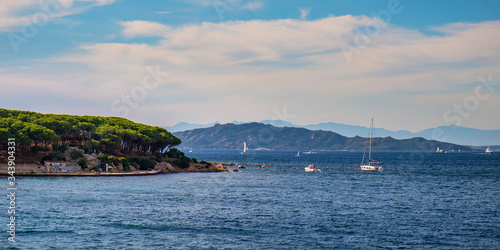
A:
(409, 64)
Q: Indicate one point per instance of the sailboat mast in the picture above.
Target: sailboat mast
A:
(370, 150)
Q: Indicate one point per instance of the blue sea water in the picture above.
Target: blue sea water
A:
(429, 200)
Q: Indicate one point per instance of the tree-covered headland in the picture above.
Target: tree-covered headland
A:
(112, 138)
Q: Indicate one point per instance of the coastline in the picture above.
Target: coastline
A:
(136, 173)
(160, 168)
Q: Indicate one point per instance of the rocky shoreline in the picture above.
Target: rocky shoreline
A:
(71, 166)
(160, 168)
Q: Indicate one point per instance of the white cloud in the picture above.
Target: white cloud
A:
(304, 12)
(15, 14)
(230, 4)
(101, 2)
(143, 28)
(242, 70)
(255, 5)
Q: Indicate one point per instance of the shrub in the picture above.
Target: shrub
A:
(82, 162)
(126, 168)
(175, 153)
(158, 158)
(183, 162)
(125, 163)
(102, 157)
(134, 163)
(207, 164)
(113, 160)
(75, 154)
(60, 148)
(147, 164)
(54, 156)
(123, 160)
(194, 160)
(142, 163)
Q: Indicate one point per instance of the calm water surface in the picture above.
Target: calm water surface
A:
(429, 200)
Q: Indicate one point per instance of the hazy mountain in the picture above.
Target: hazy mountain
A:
(182, 126)
(352, 130)
(258, 135)
(280, 123)
(452, 134)
(461, 135)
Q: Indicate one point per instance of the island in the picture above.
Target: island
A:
(260, 136)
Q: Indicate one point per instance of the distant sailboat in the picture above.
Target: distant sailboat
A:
(489, 151)
(298, 154)
(440, 150)
(244, 148)
(372, 164)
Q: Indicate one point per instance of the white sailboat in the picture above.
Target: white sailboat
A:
(489, 151)
(244, 148)
(440, 150)
(372, 165)
(298, 154)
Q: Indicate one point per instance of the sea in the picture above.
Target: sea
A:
(421, 200)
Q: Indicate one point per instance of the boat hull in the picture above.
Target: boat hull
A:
(371, 168)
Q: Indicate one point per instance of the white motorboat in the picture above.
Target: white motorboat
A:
(489, 151)
(312, 168)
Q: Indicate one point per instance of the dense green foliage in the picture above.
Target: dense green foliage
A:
(92, 133)
(175, 153)
(76, 154)
(182, 162)
(82, 162)
(125, 163)
(142, 163)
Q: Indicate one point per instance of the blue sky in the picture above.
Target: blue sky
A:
(409, 64)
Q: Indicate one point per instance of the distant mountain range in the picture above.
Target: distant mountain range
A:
(183, 126)
(260, 136)
(452, 134)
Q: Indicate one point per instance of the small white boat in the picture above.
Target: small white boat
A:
(308, 153)
(312, 168)
(489, 151)
(244, 148)
(372, 164)
(241, 166)
(298, 154)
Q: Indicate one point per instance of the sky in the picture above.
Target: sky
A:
(411, 65)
